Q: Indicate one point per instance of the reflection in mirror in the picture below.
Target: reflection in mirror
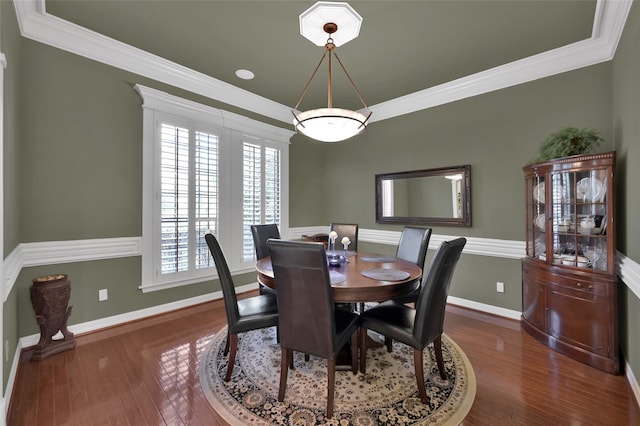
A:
(430, 197)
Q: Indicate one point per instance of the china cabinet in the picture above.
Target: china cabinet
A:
(569, 294)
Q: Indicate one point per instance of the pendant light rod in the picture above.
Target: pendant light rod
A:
(351, 81)
(330, 28)
(306, 87)
(329, 84)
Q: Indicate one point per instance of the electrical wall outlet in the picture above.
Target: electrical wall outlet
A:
(103, 295)
(500, 287)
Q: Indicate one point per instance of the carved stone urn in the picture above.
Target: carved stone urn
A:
(50, 297)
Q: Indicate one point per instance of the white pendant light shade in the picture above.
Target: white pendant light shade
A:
(330, 124)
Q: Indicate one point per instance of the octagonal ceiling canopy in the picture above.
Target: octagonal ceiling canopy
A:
(344, 16)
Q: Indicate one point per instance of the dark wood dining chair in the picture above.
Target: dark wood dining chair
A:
(418, 327)
(309, 322)
(346, 230)
(242, 315)
(262, 233)
(412, 247)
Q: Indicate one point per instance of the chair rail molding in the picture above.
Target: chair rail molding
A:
(608, 23)
(475, 245)
(58, 252)
(629, 272)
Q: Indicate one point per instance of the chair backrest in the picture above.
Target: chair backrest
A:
(305, 302)
(346, 230)
(261, 233)
(413, 245)
(226, 281)
(432, 299)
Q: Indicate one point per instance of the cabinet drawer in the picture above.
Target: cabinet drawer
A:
(585, 284)
(597, 289)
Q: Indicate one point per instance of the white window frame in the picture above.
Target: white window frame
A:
(233, 130)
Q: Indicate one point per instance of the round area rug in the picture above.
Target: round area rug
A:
(386, 394)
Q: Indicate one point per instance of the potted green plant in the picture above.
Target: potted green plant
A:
(567, 142)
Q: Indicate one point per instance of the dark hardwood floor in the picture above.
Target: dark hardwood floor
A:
(146, 373)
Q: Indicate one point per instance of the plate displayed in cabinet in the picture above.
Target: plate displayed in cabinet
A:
(541, 221)
(589, 189)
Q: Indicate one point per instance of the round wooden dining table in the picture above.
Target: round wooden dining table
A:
(365, 277)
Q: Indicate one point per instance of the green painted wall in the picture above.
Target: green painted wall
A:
(83, 177)
(497, 133)
(626, 130)
(307, 192)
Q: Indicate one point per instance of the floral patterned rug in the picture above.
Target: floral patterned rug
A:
(386, 395)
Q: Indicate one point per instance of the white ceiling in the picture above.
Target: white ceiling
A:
(410, 55)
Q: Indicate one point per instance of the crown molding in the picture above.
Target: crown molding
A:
(609, 20)
(35, 23)
(610, 16)
(162, 101)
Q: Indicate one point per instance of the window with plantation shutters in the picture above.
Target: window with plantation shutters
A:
(188, 197)
(261, 191)
(205, 170)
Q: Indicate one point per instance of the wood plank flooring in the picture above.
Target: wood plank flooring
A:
(146, 373)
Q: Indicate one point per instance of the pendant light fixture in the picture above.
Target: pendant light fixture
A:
(338, 23)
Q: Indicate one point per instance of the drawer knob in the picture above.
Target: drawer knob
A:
(579, 285)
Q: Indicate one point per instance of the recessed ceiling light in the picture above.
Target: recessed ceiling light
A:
(244, 74)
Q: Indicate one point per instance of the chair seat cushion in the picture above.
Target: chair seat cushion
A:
(392, 319)
(256, 312)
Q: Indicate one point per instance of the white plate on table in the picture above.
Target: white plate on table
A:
(589, 189)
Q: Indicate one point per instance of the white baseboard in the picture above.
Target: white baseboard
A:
(4, 410)
(633, 383)
(102, 323)
(482, 307)
(11, 381)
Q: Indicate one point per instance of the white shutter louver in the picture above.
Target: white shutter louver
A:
(206, 194)
(174, 199)
(261, 191)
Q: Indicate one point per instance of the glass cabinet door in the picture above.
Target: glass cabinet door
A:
(536, 243)
(578, 218)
